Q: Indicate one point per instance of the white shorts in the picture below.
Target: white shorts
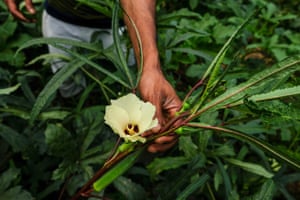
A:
(52, 27)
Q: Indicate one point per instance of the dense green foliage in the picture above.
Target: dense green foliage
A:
(241, 144)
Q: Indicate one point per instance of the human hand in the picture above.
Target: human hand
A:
(13, 8)
(155, 88)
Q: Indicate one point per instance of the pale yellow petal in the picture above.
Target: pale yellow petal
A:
(117, 118)
(132, 104)
(153, 124)
(146, 122)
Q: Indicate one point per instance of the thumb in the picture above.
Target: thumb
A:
(29, 6)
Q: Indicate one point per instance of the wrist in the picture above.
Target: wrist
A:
(151, 61)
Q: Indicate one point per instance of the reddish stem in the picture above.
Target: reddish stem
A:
(86, 189)
(198, 84)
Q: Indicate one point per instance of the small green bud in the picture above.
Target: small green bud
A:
(125, 146)
(186, 106)
(179, 131)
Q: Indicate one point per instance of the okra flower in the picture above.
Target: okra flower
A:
(129, 117)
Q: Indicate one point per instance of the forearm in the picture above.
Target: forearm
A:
(153, 86)
(142, 13)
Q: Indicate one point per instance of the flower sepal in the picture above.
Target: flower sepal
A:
(126, 146)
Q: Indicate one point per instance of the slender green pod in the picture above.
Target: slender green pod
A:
(116, 171)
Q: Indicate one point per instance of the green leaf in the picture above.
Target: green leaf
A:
(93, 47)
(259, 83)
(7, 188)
(275, 94)
(225, 177)
(195, 185)
(225, 30)
(54, 114)
(200, 53)
(181, 38)
(130, 189)
(7, 178)
(221, 54)
(187, 146)
(27, 91)
(6, 30)
(288, 178)
(8, 55)
(88, 126)
(204, 139)
(251, 167)
(195, 70)
(88, 61)
(224, 150)
(253, 140)
(19, 40)
(65, 169)
(184, 12)
(52, 86)
(277, 108)
(16, 140)
(218, 179)
(10, 89)
(183, 177)
(266, 192)
(193, 3)
(16, 193)
(119, 49)
(205, 136)
(60, 41)
(48, 57)
(166, 163)
(59, 141)
(212, 71)
(250, 127)
(16, 112)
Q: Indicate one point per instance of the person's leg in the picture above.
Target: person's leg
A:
(52, 27)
